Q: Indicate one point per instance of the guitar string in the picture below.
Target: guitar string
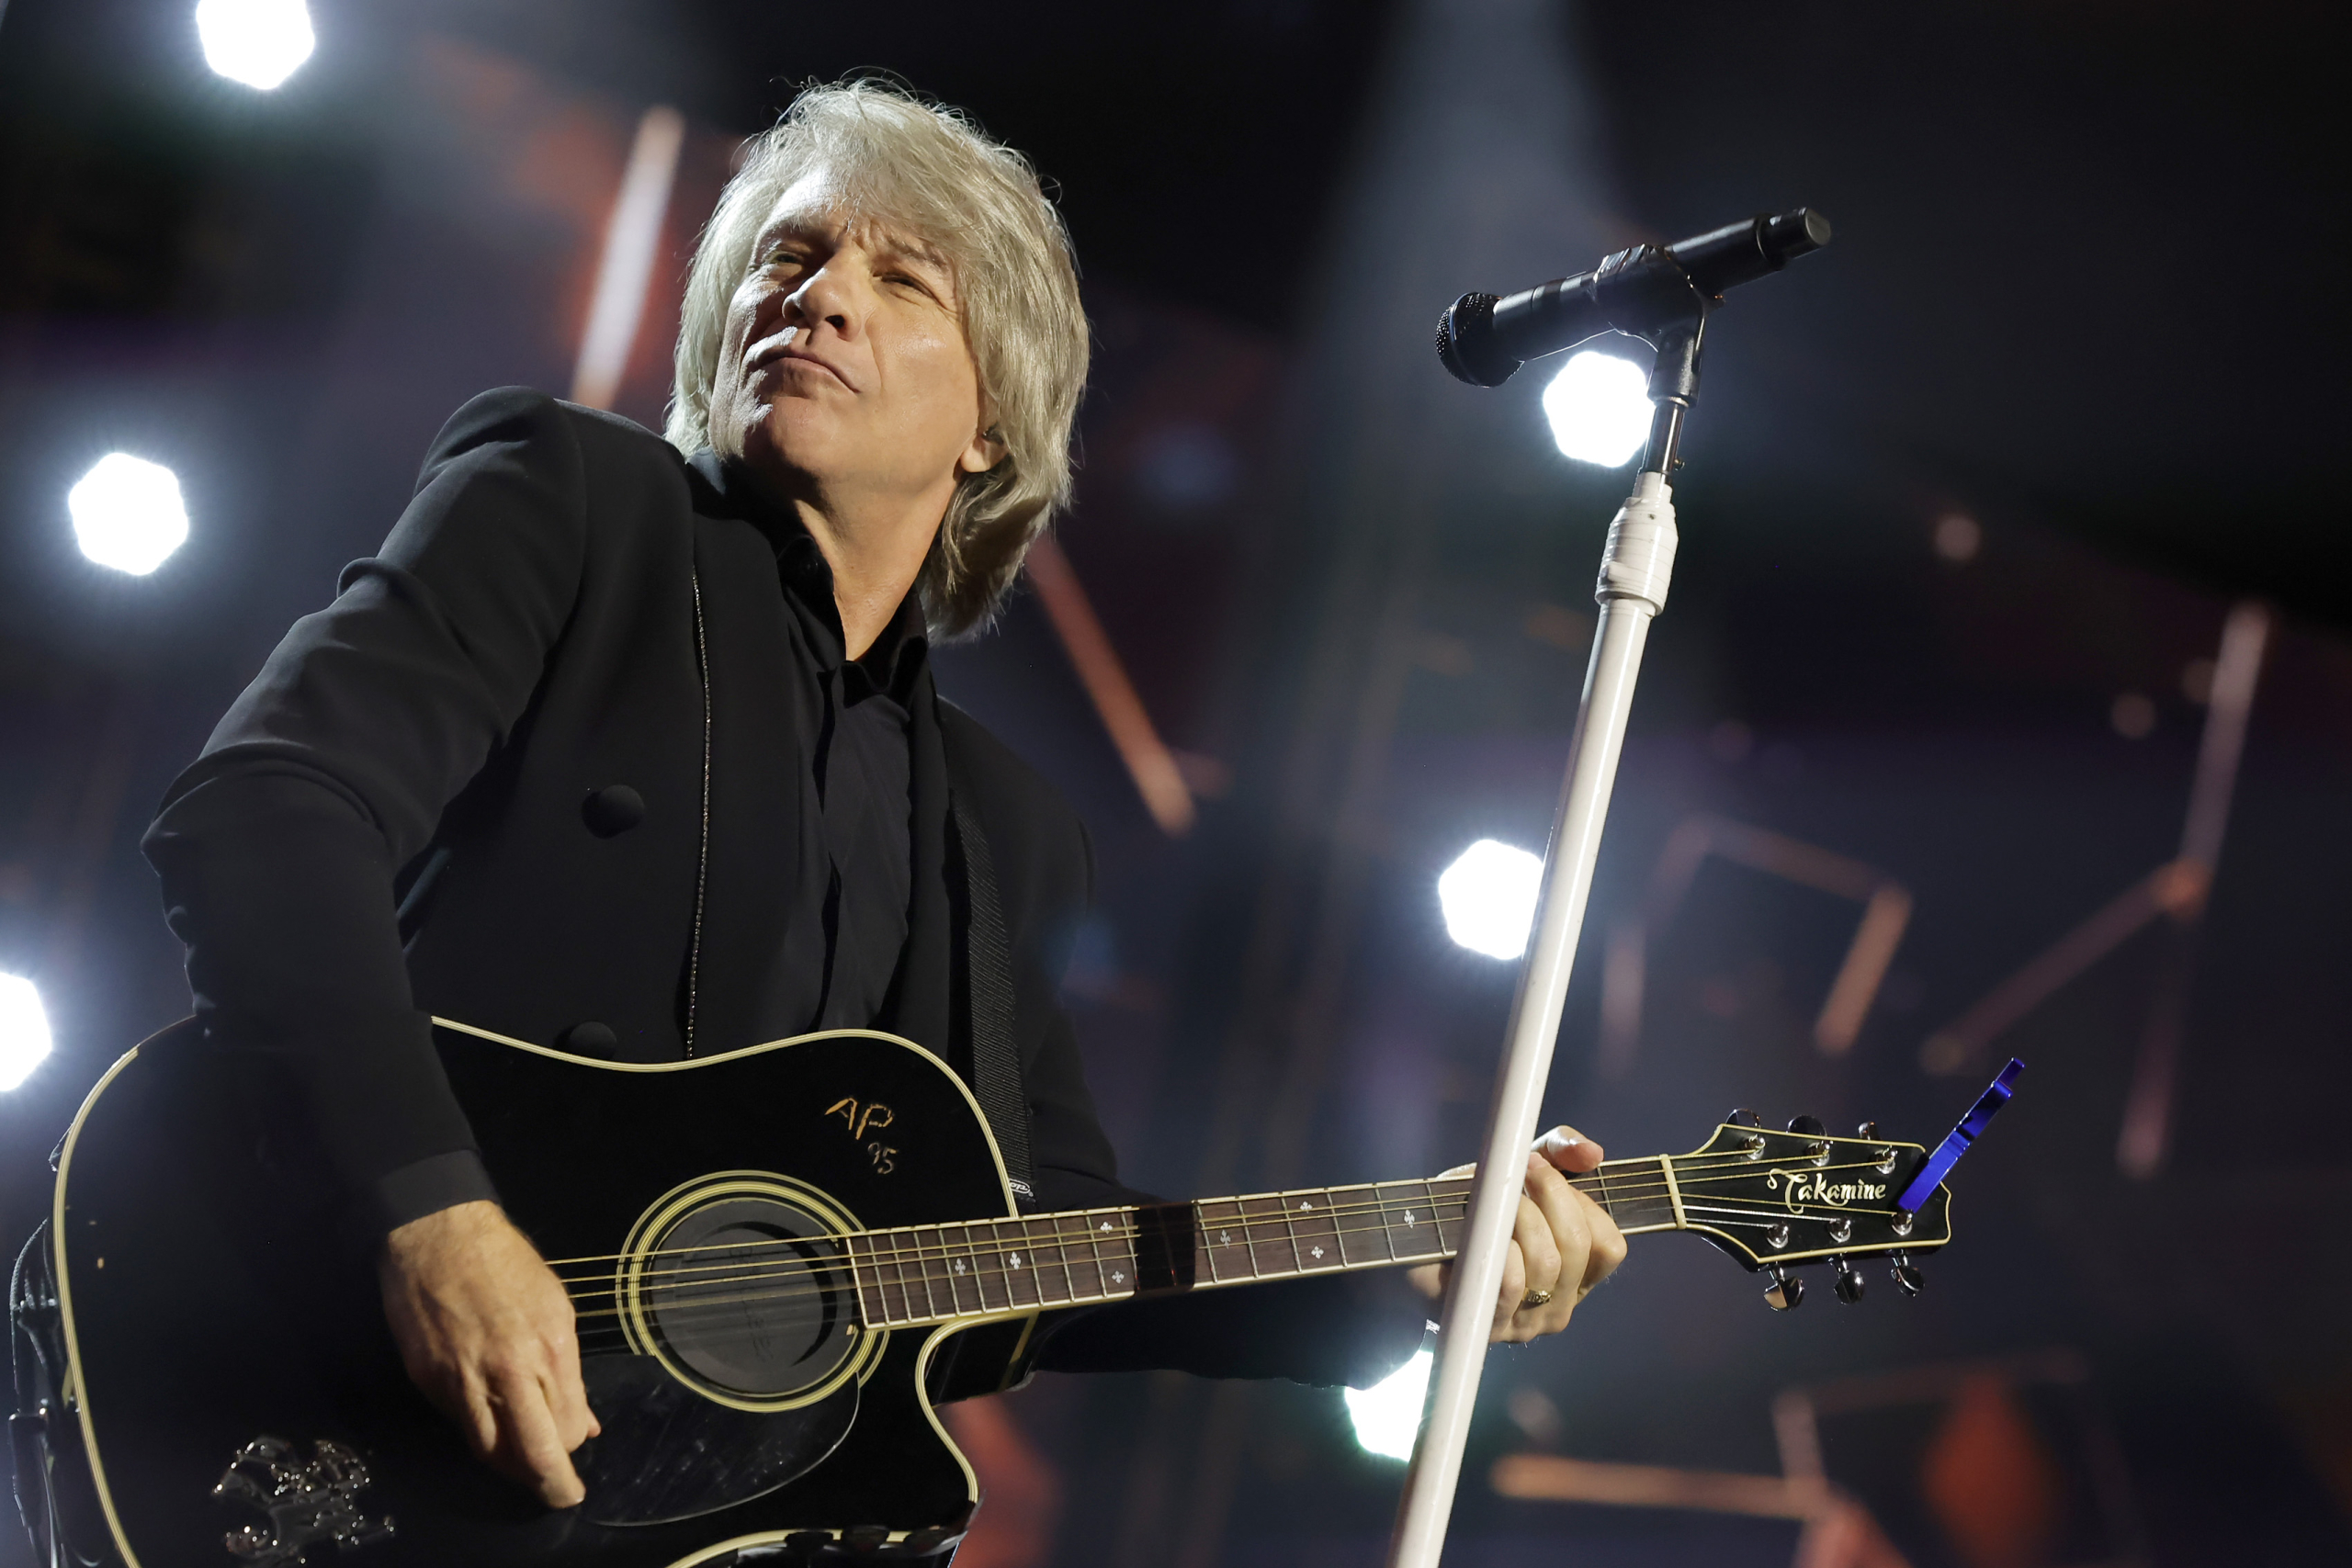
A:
(1071, 1251)
(1059, 1251)
(599, 1337)
(725, 1272)
(873, 1261)
(1686, 1169)
(1005, 1279)
(1041, 1284)
(1040, 1277)
(1588, 1181)
(927, 1312)
(1609, 1193)
(1006, 1276)
(923, 1251)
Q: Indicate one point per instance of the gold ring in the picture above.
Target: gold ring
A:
(1534, 1299)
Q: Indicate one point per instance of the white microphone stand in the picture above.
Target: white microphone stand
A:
(1634, 567)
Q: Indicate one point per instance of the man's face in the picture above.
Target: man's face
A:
(844, 377)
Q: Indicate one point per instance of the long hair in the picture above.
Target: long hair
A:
(926, 170)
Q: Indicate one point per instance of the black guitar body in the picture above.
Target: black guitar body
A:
(241, 1399)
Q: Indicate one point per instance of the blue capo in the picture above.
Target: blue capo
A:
(1946, 1154)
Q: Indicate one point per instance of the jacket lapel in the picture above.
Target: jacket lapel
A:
(752, 845)
(920, 1003)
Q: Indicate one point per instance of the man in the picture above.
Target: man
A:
(633, 750)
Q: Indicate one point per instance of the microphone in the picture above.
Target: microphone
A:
(1641, 291)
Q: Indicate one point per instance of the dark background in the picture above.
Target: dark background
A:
(2084, 292)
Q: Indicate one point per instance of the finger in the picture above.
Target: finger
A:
(1508, 1299)
(1608, 1245)
(1555, 1207)
(1537, 1261)
(1533, 1228)
(529, 1447)
(567, 1400)
(566, 1394)
(1569, 1150)
(1558, 1215)
(466, 1399)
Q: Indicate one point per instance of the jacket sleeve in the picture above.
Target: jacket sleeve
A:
(279, 848)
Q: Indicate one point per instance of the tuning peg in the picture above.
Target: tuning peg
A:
(1905, 1274)
(1867, 1129)
(1807, 1126)
(1744, 1117)
(1850, 1281)
(1785, 1292)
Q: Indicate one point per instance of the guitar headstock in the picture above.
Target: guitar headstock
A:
(1778, 1200)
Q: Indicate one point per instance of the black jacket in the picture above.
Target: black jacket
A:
(411, 812)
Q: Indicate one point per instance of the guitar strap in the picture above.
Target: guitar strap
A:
(988, 979)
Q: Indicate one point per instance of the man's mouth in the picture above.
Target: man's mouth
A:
(784, 350)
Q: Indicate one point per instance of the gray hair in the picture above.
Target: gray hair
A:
(924, 169)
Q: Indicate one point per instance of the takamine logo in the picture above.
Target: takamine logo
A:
(1796, 1188)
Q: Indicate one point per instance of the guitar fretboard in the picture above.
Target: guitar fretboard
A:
(924, 1274)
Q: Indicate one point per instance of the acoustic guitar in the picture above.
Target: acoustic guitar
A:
(781, 1257)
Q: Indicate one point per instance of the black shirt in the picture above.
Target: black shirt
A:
(845, 929)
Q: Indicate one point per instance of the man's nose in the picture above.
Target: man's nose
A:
(824, 296)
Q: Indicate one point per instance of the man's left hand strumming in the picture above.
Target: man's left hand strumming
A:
(1562, 1245)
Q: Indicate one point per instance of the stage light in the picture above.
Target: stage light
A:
(24, 1031)
(258, 43)
(1387, 1415)
(1958, 537)
(1600, 408)
(1488, 896)
(128, 513)
(2133, 717)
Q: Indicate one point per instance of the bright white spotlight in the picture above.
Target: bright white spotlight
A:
(1488, 896)
(258, 43)
(24, 1031)
(1387, 1415)
(128, 513)
(1599, 407)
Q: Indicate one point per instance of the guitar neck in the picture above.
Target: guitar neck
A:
(927, 1274)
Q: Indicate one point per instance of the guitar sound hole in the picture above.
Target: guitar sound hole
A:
(751, 1294)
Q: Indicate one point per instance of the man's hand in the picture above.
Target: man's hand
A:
(1563, 1245)
(485, 1329)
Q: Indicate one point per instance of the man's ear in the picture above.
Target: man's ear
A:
(986, 450)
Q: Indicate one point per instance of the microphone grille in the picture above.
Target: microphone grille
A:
(1463, 346)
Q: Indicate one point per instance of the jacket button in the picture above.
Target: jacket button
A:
(612, 810)
(589, 1040)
